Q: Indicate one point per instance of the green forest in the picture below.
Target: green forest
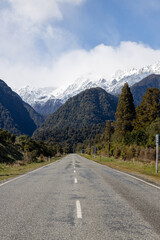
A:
(129, 135)
(25, 149)
(132, 134)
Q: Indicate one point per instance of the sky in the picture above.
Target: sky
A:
(54, 42)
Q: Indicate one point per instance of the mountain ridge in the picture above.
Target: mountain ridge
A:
(78, 115)
(139, 89)
(45, 97)
(14, 116)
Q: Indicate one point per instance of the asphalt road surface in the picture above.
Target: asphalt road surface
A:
(78, 199)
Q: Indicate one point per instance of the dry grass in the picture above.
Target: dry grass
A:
(19, 168)
(145, 170)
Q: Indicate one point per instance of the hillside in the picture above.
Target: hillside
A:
(48, 107)
(14, 117)
(35, 116)
(78, 115)
(139, 89)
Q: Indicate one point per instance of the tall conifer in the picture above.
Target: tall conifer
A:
(125, 112)
(149, 109)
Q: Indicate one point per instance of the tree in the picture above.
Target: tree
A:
(125, 113)
(149, 109)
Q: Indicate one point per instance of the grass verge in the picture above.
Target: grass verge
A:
(141, 169)
(11, 171)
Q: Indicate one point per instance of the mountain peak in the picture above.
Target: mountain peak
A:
(112, 84)
(88, 108)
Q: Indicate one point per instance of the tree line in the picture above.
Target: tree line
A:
(132, 134)
(25, 148)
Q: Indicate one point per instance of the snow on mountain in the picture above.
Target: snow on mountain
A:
(35, 95)
(111, 84)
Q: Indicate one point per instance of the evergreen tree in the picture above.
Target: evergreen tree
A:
(149, 109)
(125, 112)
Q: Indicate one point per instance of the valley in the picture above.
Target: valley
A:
(79, 120)
(86, 121)
(113, 196)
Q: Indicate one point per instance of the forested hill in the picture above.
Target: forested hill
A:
(35, 116)
(139, 89)
(90, 107)
(14, 117)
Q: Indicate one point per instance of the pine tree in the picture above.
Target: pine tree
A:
(149, 109)
(125, 113)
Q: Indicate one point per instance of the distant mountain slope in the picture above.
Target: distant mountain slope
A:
(139, 89)
(48, 107)
(41, 99)
(14, 117)
(90, 107)
(36, 117)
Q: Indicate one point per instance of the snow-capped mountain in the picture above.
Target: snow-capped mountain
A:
(112, 85)
(40, 98)
(35, 95)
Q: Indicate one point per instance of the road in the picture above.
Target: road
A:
(78, 199)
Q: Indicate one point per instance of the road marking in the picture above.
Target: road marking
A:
(11, 180)
(150, 184)
(79, 211)
(16, 178)
(75, 180)
(74, 171)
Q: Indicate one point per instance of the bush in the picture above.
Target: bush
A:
(130, 152)
(138, 137)
(117, 152)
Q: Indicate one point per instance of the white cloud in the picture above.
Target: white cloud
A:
(102, 60)
(30, 42)
(37, 52)
(34, 40)
(38, 11)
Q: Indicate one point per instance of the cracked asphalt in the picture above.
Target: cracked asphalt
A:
(75, 198)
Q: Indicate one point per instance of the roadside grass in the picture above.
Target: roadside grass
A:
(16, 169)
(142, 169)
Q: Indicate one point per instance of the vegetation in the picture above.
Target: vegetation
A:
(79, 119)
(24, 149)
(90, 122)
(14, 117)
(125, 113)
(142, 169)
(148, 110)
(10, 171)
(139, 88)
(131, 136)
(36, 117)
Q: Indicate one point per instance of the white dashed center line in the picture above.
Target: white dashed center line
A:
(79, 211)
(75, 180)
